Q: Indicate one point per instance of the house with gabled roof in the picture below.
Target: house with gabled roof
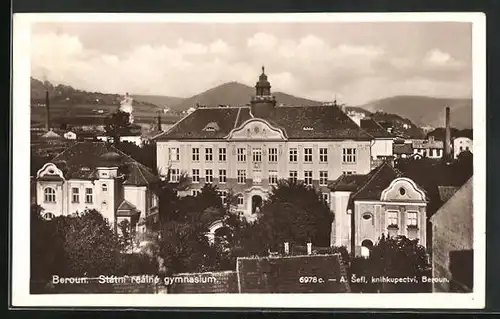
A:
(383, 201)
(247, 149)
(96, 175)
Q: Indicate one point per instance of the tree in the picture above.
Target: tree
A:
(117, 124)
(293, 213)
(394, 257)
(91, 246)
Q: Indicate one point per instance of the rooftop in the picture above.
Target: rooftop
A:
(80, 161)
(327, 122)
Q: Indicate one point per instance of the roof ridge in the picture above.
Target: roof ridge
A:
(66, 149)
(237, 118)
(377, 171)
(142, 174)
(176, 124)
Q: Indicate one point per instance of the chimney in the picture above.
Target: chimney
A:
(447, 140)
(47, 108)
(159, 122)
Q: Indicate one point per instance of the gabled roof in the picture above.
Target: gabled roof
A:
(126, 209)
(377, 180)
(328, 122)
(374, 129)
(80, 161)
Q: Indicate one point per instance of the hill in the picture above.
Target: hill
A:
(78, 107)
(426, 111)
(160, 100)
(236, 94)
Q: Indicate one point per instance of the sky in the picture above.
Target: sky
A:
(354, 62)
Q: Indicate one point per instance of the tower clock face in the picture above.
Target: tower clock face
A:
(256, 129)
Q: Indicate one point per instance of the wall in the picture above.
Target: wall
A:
(374, 227)
(382, 147)
(334, 166)
(136, 195)
(341, 225)
(452, 231)
(282, 274)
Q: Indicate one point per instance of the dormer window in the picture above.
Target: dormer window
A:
(307, 128)
(211, 127)
(85, 169)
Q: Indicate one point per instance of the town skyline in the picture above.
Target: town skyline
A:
(354, 62)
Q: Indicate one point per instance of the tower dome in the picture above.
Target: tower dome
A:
(110, 159)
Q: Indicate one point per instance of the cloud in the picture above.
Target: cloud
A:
(309, 66)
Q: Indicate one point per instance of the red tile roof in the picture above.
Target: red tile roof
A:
(374, 129)
(327, 122)
(81, 160)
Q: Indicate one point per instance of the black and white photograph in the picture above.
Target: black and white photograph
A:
(249, 160)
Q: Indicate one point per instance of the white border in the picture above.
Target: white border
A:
(21, 149)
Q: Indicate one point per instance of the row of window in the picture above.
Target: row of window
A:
(257, 176)
(50, 194)
(393, 218)
(240, 200)
(348, 155)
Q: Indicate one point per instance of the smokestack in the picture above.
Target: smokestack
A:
(447, 141)
(159, 122)
(47, 108)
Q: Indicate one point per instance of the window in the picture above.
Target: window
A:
(209, 176)
(308, 177)
(467, 148)
(257, 155)
(461, 148)
(273, 177)
(222, 176)
(293, 155)
(242, 157)
(367, 216)
(349, 155)
(75, 195)
(402, 191)
(89, 196)
(104, 187)
(257, 177)
(242, 176)
(174, 175)
(195, 192)
(223, 196)
(412, 218)
(308, 155)
(50, 195)
(240, 200)
(348, 172)
(326, 197)
(222, 154)
(293, 176)
(208, 155)
(273, 155)
(196, 175)
(48, 216)
(173, 154)
(323, 178)
(392, 218)
(196, 154)
(323, 155)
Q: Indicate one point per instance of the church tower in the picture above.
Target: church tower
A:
(263, 103)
